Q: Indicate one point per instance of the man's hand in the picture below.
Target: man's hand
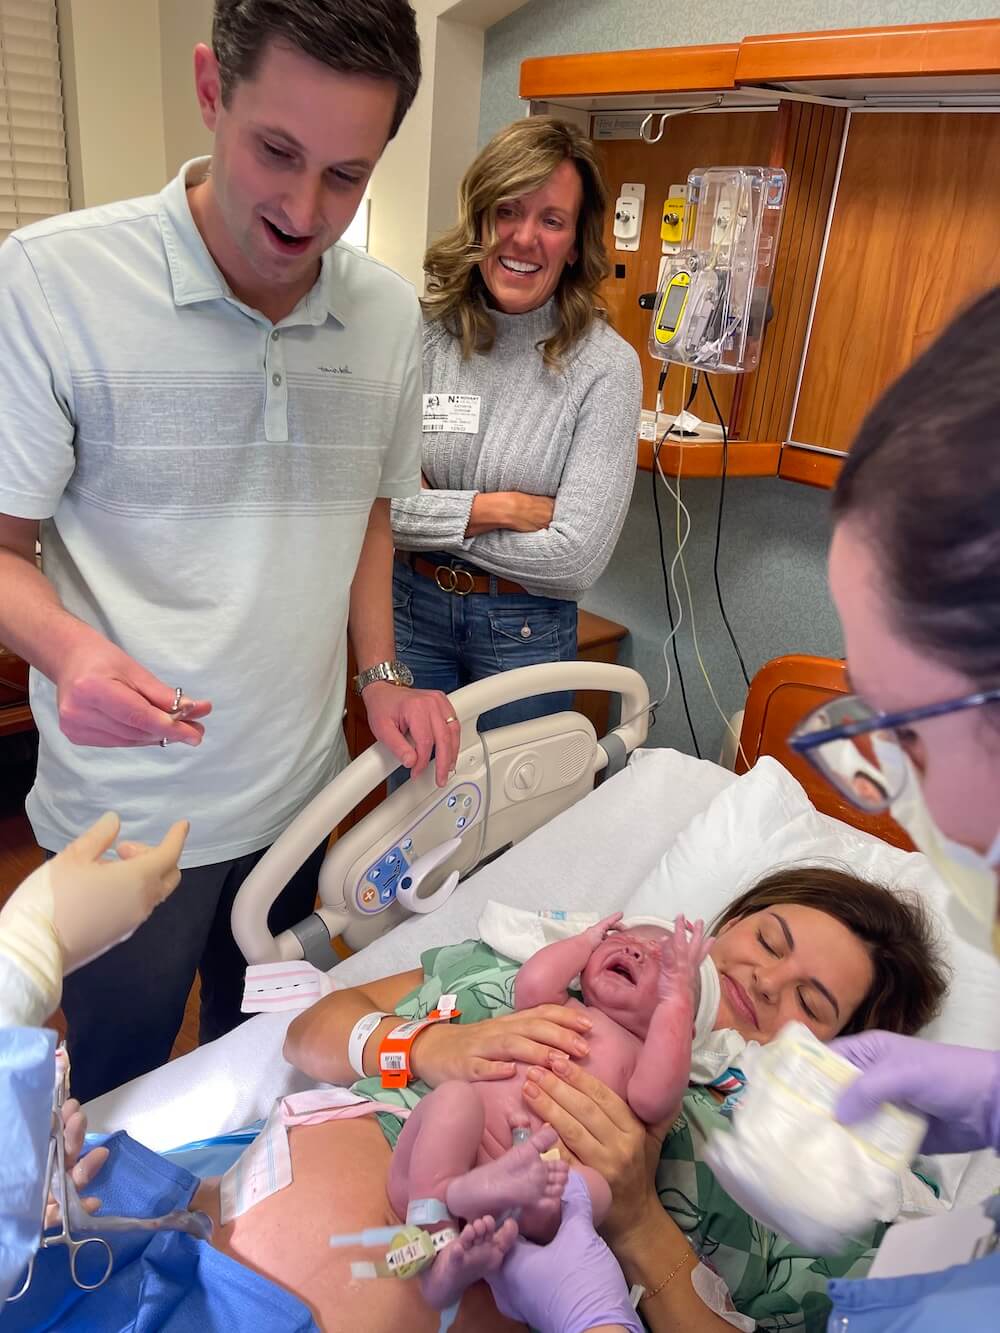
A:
(107, 699)
(412, 723)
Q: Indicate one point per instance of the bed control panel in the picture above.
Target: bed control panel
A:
(457, 809)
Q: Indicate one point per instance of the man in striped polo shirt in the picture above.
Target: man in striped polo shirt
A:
(207, 403)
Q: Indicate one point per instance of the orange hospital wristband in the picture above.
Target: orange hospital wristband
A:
(394, 1052)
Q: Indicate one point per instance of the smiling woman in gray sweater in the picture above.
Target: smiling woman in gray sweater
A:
(531, 414)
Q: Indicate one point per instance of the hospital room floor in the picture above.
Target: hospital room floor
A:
(19, 855)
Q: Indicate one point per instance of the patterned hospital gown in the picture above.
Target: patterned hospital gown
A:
(772, 1280)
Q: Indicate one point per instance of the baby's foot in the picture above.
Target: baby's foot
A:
(479, 1250)
(540, 1221)
(516, 1179)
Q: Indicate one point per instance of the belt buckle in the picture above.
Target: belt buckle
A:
(447, 578)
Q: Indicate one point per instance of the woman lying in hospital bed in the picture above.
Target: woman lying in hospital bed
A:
(819, 946)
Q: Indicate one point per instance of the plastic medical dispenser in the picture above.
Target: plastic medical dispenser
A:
(712, 302)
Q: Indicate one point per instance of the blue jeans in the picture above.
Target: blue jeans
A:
(447, 640)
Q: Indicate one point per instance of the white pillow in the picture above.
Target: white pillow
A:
(765, 820)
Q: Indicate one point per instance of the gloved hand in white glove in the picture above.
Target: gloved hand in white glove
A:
(74, 908)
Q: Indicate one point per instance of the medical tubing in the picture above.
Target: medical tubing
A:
(718, 529)
(370, 1239)
(681, 543)
(666, 578)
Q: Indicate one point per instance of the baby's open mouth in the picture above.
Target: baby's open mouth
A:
(620, 968)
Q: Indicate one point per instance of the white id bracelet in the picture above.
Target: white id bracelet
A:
(358, 1040)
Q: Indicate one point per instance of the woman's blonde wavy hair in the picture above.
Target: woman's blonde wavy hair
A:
(517, 161)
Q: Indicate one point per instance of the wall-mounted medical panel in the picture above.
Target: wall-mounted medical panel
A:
(889, 137)
(688, 142)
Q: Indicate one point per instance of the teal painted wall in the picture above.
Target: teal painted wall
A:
(775, 533)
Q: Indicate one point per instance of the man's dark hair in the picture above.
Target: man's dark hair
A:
(923, 480)
(377, 38)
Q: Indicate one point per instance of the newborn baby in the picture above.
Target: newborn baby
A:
(639, 987)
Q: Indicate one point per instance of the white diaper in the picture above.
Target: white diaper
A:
(790, 1164)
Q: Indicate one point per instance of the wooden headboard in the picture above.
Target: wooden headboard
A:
(781, 694)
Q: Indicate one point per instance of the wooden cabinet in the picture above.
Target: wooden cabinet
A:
(15, 715)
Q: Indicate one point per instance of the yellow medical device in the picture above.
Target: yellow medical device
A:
(672, 220)
(670, 311)
(713, 292)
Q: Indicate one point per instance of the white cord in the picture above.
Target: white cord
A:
(682, 508)
(658, 703)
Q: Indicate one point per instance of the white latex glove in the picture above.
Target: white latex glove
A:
(74, 908)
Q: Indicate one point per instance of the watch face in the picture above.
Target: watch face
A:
(403, 672)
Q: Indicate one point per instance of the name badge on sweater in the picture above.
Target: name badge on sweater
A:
(457, 412)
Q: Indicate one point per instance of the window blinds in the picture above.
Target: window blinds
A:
(33, 177)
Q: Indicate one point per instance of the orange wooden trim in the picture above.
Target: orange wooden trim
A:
(809, 467)
(747, 458)
(971, 47)
(16, 718)
(781, 693)
(615, 73)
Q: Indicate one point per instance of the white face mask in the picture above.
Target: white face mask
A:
(971, 876)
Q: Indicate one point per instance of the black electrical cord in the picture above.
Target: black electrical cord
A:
(663, 560)
(718, 529)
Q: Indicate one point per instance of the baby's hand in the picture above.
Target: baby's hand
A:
(681, 956)
(596, 935)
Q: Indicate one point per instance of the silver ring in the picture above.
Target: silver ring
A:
(178, 696)
(451, 719)
(163, 742)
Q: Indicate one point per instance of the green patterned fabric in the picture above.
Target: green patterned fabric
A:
(771, 1279)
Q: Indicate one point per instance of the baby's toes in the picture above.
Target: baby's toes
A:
(506, 1234)
(543, 1139)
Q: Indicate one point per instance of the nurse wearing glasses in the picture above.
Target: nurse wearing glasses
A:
(915, 575)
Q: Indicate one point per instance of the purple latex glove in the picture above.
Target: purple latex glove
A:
(572, 1284)
(956, 1087)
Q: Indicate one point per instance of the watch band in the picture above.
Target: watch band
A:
(394, 672)
(358, 1039)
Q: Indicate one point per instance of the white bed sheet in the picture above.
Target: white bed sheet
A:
(592, 857)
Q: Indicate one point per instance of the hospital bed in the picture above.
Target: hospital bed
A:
(573, 848)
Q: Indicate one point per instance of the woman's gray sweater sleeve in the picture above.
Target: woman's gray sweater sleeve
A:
(592, 499)
(433, 520)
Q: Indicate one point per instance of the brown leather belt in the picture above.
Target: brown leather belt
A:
(458, 580)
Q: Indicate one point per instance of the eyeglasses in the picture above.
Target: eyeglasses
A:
(861, 752)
